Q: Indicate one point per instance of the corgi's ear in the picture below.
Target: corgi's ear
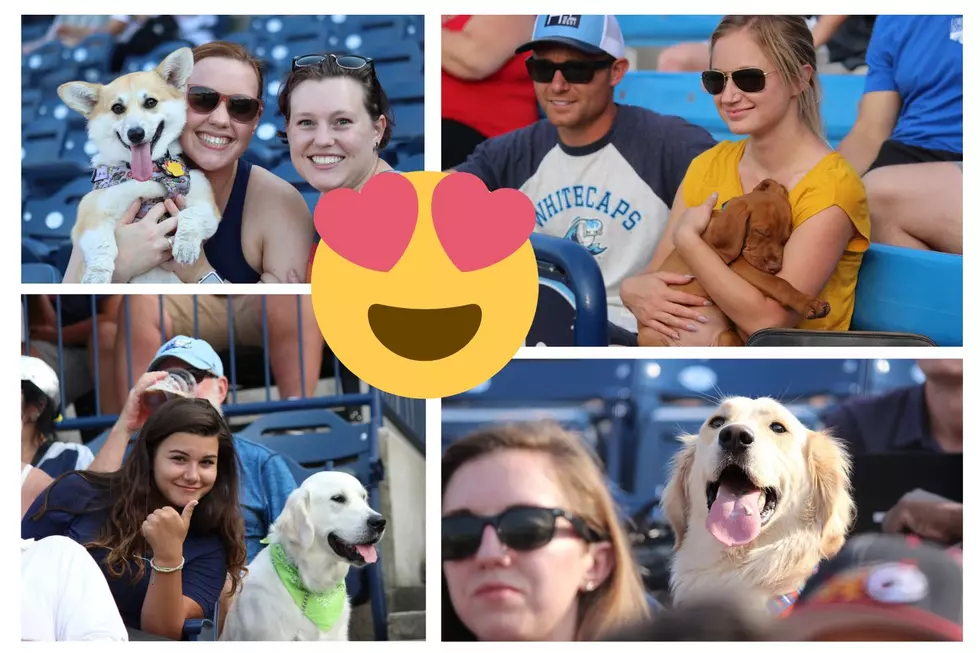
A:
(80, 96)
(177, 67)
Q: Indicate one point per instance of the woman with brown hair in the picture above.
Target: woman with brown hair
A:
(532, 546)
(763, 78)
(166, 528)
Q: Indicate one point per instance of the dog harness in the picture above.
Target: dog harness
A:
(170, 171)
(322, 608)
(782, 605)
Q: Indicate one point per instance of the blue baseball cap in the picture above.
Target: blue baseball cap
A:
(196, 353)
(590, 34)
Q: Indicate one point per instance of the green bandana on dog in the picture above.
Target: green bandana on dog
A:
(322, 608)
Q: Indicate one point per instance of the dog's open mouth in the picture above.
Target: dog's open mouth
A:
(356, 554)
(738, 508)
(141, 164)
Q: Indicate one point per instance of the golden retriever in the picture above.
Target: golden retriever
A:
(755, 500)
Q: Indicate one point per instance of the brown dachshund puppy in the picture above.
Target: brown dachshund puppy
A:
(749, 234)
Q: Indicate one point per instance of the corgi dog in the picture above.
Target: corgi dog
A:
(135, 122)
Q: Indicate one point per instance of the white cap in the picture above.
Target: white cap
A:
(38, 373)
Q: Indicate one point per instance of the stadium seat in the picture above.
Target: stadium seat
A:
(39, 273)
(93, 57)
(904, 297)
(43, 65)
(361, 34)
(45, 155)
(666, 30)
(395, 61)
(51, 218)
(153, 59)
(571, 296)
(410, 163)
(681, 94)
(409, 121)
(202, 630)
(30, 100)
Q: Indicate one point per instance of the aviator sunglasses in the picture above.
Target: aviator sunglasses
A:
(574, 72)
(747, 80)
(521, 528)
(241, 108)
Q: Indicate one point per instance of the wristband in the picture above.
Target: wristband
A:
(166, 570)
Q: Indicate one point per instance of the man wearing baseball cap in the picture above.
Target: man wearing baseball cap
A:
(265, 478)
(599, 173)
(882, 588)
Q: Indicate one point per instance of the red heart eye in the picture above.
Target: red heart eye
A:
(478, 228)
(372, 228)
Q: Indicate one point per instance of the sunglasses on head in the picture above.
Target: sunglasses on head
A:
(347, 61)
(241, 108)
(747, 80)
(574, 72)
(521, 528)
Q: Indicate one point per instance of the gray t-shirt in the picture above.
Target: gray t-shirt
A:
(613, 197)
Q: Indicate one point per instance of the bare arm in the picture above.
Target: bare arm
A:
(287, 230)
(165, 608)
(810, 257)
(482, 47)
(131, 419)
(877, 116)
(37, 481)
(825, 29)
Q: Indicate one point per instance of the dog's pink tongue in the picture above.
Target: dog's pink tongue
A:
(734, 518)
(141, 166)
(367, 552)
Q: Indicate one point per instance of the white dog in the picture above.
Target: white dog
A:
(755, 500)
(295, 590)
(135, 122)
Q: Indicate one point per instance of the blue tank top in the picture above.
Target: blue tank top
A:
(224, 249)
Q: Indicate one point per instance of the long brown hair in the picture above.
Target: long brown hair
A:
(130, 494)
(788, 43)
(620, 599)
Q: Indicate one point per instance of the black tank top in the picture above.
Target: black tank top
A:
(224, 249)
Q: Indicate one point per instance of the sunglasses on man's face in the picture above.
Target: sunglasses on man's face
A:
(199, 375)
(521, 528)
(747, 80)
(573, 72)
(241, 108)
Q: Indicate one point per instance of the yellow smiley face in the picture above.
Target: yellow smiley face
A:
(425, 328)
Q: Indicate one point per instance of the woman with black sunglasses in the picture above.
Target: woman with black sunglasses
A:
(532, 548)
(166, 527)
(764, 82)
(337, 121)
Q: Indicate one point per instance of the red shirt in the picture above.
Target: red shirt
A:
(502, 102)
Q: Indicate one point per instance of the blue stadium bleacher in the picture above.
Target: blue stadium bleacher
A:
(666, 30)
(56, 150)
(681, 94)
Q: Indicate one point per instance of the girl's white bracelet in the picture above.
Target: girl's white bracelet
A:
(166, 570)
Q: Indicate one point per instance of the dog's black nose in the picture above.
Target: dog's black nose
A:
(735, 439)
(377, 524)
(136, 135)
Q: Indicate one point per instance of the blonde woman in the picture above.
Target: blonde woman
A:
(763, 79)
(532, 547)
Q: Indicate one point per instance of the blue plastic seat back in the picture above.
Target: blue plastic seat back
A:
(910, 291)
(39, 273)
(666, 30)
(51, 218)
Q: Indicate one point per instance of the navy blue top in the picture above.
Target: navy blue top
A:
(224, 249)
(889, 423)
(204, 568)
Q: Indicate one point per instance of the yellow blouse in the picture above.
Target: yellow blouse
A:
(832, 182)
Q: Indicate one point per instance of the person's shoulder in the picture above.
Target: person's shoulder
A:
(71, 489)
(834, 177)
(251, 450)
(267, 188)
(719, 160)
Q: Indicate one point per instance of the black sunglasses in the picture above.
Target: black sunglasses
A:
(199, 375)
(574, 72)
(522, 528)
(747, 80)
(241, 108)
(348, 61)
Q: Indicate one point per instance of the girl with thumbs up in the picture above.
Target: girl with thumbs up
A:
(166, 528)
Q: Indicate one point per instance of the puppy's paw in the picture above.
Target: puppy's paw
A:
(97, 275)
(186, 249)
(817, 309)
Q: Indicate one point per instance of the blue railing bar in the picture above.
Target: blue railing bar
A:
(129, 344)
(299, 325)
(61, 351)
(257, 408)
(375, 576)
(95, 356)
(231, 345)
(197, 324)
(27, 329)
(265, 349)
(337, 385)
(163, 323)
